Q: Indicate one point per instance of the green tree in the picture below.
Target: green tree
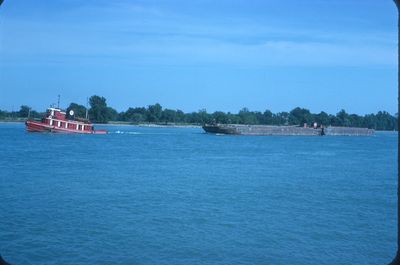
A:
(135, 115)
(220, 117)
(385, 121)
(3, 114)
(281, 118)
(342, 118)
(203, 117)
(24, 111)
(247, 117)
(369, 121)
(233, 118)
(112, 114)
(355, 120)
(299, 116)
(168, 115)
(322, 118)
(79, 110)
(268, 117)
(154, 113)
(98, 109)
(180, 116)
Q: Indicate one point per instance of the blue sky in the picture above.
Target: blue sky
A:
(189, 55)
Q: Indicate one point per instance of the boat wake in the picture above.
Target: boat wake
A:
(142, 133)
(123, 132)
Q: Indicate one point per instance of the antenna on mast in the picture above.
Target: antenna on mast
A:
(87, 105)
(58, 102)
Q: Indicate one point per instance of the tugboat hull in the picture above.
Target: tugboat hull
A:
(56, 121)
(35, 126)
(32, 126)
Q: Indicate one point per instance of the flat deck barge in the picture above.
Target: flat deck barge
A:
(240, 129)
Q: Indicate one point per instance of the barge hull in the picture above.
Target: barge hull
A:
(267, 130)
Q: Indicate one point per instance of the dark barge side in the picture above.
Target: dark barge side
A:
(270, 130)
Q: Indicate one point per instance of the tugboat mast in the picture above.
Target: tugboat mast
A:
(87, 106)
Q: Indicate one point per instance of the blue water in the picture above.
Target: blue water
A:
(180, 196)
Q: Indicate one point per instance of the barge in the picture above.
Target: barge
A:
(271, 130)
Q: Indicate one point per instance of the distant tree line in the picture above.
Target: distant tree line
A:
(99, 112)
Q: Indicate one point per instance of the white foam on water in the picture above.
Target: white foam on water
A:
(123, 132)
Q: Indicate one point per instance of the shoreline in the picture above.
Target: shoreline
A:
(172, 125)
(13, 121)
(148, 125)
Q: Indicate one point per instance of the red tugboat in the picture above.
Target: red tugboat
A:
(57, 121)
